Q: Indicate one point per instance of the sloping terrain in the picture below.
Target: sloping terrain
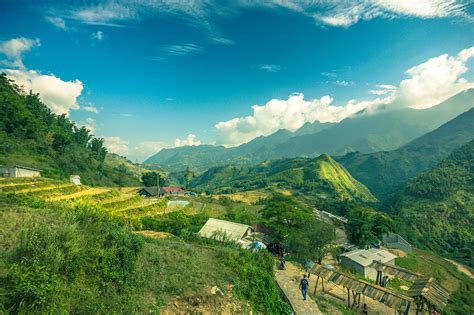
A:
(436, 209)
(366, 133)
(321, 176)
(386, 171)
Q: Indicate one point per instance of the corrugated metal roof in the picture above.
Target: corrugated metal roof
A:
(383, 295)
(235, 231)
(396, 271)
(365, 257)
(431, 290)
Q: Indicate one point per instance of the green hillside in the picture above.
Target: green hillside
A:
(322, 177)
(366, 133)
(31, 135)
(386, 171)
(436, 209)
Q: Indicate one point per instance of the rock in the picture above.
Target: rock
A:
(216, 291)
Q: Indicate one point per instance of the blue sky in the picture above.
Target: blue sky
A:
(147, 75)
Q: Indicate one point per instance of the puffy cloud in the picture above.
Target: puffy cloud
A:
(89, 124)
(99, 35)
(60, 96)
(344, 83)
(14, 48)
(427, 85)
(189, 141)
(91, 109)
(288, 114)
(116, 145)
(57, 21)
(435, 80)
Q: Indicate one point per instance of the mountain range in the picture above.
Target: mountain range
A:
(386, 171)
(320, 177)
(435, 210)
(363, 132)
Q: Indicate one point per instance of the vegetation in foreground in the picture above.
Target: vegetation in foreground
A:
(58, 258)
(31, 135)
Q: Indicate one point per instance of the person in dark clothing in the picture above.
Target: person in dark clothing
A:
(304, 283)
(365, 310)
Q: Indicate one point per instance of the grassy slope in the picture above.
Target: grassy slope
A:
(70, 256)
(458, 284)
(321, 176)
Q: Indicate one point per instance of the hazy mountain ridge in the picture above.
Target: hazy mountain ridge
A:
(386, 171)
(385, 131)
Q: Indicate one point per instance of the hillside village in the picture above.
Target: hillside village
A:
(237, 157)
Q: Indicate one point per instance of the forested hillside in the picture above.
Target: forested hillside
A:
(31, 135)
(386, 171)
(320, 177)
(366, 133)
(436, 209)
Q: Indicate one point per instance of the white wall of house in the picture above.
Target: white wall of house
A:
(18, 172)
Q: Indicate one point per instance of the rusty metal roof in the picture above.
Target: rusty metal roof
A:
(388, 297)
(431, 290)
(396, 271)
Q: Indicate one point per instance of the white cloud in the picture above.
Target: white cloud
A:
(344, 83)
(99, 35)
(108, 13)
(344, 13)
(383, 89)
(91, 109)
(288, 114)
(181, 50)
(269, 68)
(224, 41)
(190, 140)
(116, 145)
(57, 21)
(427, 85)
(14, 48)
(435, 80)
(89, 124)
(60, 96)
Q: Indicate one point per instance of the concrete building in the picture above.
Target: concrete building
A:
(359, 260)
(19, 171)
(393, 240)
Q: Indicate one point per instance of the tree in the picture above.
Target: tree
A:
(189, 175)
(149, 179)
(367, 225)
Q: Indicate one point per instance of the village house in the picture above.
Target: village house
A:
(171, 191)
(19, 171)
(242, 234)
(163, 191)
(360, 260)
(393, 240)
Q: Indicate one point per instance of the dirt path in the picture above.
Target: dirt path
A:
(462, 268)
(288, 280)
(82, 193)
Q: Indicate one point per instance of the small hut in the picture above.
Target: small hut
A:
(430, 294)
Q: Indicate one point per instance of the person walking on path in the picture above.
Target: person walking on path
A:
(304, 283)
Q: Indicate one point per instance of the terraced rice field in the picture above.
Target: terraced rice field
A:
(121, 202)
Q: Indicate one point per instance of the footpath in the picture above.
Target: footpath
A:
(289, 280)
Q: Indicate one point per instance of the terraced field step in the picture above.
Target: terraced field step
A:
(89, 192)
(26, 185)
(122, 202)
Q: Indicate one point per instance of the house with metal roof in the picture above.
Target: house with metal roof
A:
(19, 171)
(393, 240)
(360, 261)
(215, 228)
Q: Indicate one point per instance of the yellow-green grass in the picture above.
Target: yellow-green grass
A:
(248, 197)
(84, 192)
